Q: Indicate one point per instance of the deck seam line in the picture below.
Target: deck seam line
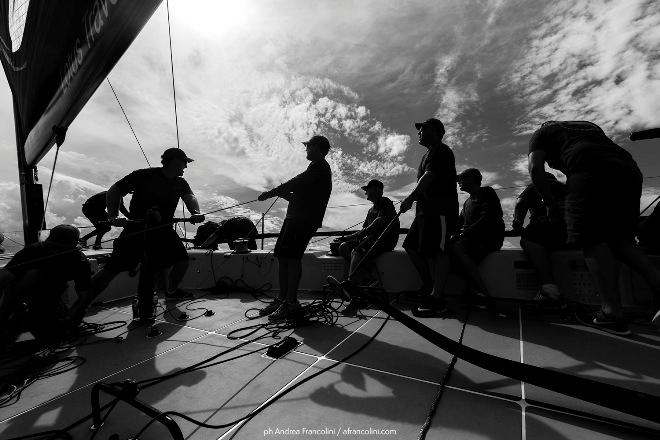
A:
(523, 402)
(430, 382)
(276, 394)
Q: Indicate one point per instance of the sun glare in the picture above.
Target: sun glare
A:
(213, 16)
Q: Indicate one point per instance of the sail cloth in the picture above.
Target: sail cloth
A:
(56, 53)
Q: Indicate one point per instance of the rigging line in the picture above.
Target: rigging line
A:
(169, 33)
(50, 184)
(649, 205)
(129, 122)
(176, 115)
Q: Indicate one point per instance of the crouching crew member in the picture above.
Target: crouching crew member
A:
(34, 286)
(94, 210)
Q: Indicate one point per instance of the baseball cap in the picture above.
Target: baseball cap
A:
(64, 235)
(175, 153)
(432, 122)
(470, 172)
(320, 141)
(375, 183)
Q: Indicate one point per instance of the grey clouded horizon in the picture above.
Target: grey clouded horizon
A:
(255, 78)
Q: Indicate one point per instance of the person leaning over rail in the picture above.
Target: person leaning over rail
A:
(480, 228)
(435, 218)
(602, 208)
(541, 235)
(354, 246)
(308, 194)
(156, 194)
(94, 210)
(34, 286)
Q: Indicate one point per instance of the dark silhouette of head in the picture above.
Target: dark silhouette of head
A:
(430, 132)
(174, 161)
(317, 147)
(373, 190)
(469, 180)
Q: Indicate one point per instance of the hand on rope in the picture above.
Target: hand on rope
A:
(265, 196)
(406, 204)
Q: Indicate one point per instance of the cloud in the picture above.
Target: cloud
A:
(593, 60)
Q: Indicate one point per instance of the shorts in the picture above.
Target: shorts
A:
(428, 234)
(365, 244)
(98, 217)
(162, 247)
(550, 236)
(603, 205)
(476, 248)
(293, 239)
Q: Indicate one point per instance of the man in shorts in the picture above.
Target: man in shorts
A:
(354, 246)
(94, 210)
(150, 236)
(308, 194)
(602, 208)
(435, 217)
(480, 228)
(541, 235)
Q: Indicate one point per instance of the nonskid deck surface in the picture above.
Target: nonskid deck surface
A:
(384, 391)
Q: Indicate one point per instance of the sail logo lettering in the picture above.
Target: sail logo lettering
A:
(94, 21)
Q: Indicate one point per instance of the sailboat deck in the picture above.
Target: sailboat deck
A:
(385, 390)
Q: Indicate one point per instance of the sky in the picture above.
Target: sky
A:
(256, 78)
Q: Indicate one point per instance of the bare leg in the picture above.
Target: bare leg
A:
(359, 275)
(294, 272)
(470, 269)
(100, 282)
(283, 271)
(440, 269)
(604, 270)
(540, 258)
(345, 250)
(422, 267)
(177, 273)
(90, 235)
(633, 256)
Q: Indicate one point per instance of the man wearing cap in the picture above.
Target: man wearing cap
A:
(380, 215)
(308, 194)
(435, 217)
(150, 234)
(480, 227)
(38, 276)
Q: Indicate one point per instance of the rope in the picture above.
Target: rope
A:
(50, 184)
(176, 114)
(129, 122)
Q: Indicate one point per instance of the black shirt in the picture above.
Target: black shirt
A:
(441, 197)
(308, 193)
(151, 188)
(97, 203)
(572, 146)
(59, 266)
(379, 216)
(481, 217)
(531, 200)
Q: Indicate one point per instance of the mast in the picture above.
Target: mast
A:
(63, 52)
(32, 199)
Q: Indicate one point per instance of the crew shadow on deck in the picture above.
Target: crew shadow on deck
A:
(104, 357)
